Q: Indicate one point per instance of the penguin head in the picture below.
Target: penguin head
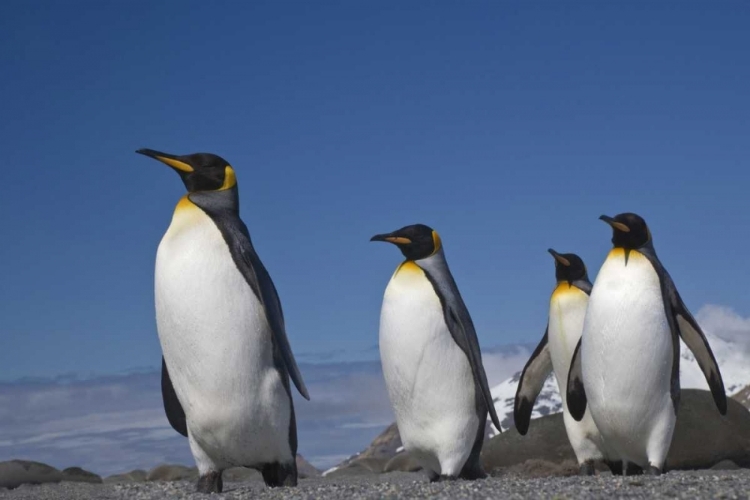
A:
(629, 230)
(569, 267)
(415, 242)
(199, 171)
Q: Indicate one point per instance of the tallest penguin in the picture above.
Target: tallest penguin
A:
(626, 366)
(227, 361)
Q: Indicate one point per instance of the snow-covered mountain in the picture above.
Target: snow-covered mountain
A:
(733, 361)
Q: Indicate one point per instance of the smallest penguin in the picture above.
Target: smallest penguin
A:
(431, 360)
(567, 308)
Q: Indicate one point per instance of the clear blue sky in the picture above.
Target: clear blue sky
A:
(507, 126)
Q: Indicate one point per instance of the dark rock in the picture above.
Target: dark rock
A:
(743, 397)
(540, 468)
(241, 474)
(383, 447)
(403, 462)
(78, 475)
(14, 473)
(702, 437)
(305, 469)
(372, 459)
(726, 465)
(172, 473)
(134, 476)
(546, 441)
(353, 469)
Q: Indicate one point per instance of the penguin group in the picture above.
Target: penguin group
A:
(228, 367)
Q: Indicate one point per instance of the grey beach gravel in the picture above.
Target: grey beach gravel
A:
(692, 484)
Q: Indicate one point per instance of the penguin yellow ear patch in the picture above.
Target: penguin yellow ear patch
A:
(436, 241)
(230, 180)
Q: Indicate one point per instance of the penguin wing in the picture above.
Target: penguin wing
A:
(576, 393)
(462, 330)
(530, 384)
(172, 406)
(682, 323)
(247, 261)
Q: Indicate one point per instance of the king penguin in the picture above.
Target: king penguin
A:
(567, 308)
(226, 358)
(431, 360)
(626, 367)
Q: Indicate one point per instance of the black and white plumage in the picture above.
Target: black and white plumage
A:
(227, 361)
(431, 360)
(626, 368)
(554, 353)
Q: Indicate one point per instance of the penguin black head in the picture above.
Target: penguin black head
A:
(199, 171)
(569, 267)
(629, 230)
(415, 242)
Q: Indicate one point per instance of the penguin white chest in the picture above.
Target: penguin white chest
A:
(627, 357)
(428, 377)
(566, 314)
(567, 311)
(217, 344)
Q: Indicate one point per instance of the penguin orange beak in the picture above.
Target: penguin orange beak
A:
(559, 258)
(390, 238)
(168, 159)
(615, 225)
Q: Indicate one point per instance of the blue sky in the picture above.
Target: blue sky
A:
(507, 126)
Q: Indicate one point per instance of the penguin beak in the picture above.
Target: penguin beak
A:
(390, 238)
(615, 225)
(168, 159)
(559, 258)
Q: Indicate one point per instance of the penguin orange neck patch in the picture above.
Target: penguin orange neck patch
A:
(184, 204)
(409, 267)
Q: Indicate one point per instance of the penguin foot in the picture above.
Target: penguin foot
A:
(433, 476)
(210, 482)
(615, 467)
(277, 474)
(443, 478)
(634, 470)
(653, 471)
(472, 473)
(587, 468)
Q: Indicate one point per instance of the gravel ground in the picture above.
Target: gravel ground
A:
(694, 484)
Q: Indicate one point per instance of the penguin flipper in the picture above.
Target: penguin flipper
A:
(683, 324)
(530, 384)
(256, 273)
(172, 406)
(462, 330)
(696, 341)
(576, 392)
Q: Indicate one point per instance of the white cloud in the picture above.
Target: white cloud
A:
(724, 322)
(117, 423)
